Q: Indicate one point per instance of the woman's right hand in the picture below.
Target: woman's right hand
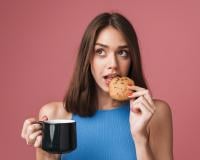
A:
(32, 132)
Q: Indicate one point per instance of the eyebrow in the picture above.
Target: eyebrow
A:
(106, 46)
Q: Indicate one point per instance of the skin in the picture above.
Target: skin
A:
(110, 57)
(150, 120)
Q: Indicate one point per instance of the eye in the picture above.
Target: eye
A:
(100, 52)
(123, 53)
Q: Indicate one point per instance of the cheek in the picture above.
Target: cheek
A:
(96, 66)
(125, 66)
(92, 68)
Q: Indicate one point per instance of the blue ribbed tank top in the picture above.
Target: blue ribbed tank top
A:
(104, 136)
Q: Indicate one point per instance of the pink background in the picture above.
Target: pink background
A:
(38, 45)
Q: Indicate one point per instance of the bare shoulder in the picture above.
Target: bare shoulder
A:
(54, 110)
(162, 108)
(162, 115)
(161, 131)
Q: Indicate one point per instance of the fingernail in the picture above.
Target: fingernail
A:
(44, 117)
(135, 110)
(129, 94)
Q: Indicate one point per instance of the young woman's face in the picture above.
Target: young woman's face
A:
(111, 57)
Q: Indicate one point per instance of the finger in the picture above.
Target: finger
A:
(135, 109)
(32, 128)
(38, 141)
(137, 100)
(34, 135)
(139, 104)
(147, 105)
(138, 94)
(44, 118)
(148, 97)
(32, 138)
(144, 93)
(134, 105)
(144, 109)
(27, 122)
(135, 88)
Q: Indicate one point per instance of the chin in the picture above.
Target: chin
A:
(104, 89)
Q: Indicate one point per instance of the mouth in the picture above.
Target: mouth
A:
(108, 78)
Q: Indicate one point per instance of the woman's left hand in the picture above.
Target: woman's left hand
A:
(142, 109)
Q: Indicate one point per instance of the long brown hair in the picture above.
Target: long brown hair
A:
(81, 96)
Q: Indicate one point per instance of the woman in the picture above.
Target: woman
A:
(140, 128)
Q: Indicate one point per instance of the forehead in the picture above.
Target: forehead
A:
(111, 36)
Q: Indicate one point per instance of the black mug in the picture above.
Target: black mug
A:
(59, 136)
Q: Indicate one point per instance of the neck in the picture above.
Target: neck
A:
(105, 101)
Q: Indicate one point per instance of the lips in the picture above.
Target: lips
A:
(108, 78)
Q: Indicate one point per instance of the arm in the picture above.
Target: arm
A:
(31, 131)
(54, 110)
(48, 110)
(161, 132)
(151, 126)
(140, 117)
(43, 155)
(159, 144)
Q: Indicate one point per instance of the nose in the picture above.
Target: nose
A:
(112, 62)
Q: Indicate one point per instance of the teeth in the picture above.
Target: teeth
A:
(111, 76)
